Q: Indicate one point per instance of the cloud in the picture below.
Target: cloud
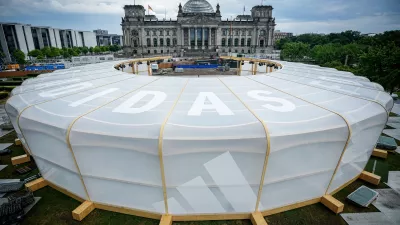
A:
(291, 15)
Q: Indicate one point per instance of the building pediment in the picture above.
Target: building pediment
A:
(200, 19)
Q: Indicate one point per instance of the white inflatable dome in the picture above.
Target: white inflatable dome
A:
(192, 146)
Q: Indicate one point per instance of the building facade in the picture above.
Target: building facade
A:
(103, 38)
(198, 29)
(26, 38)
(279, 35)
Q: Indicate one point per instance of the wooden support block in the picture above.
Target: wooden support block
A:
(332, 203)
(257, 219)
(166, 220)
(380, 153)
(36, 184)
(83, 210)
(370, 177)
(20, 159)
(18, 142)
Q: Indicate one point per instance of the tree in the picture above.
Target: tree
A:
(295, 51)
(85, 50)
(97, 49)
(54, 52)
(381, 64)
(46, 52)
(326, 53)
(91, 50)
(35, 53)
(40, 57)
(66, 54)
(19, 56)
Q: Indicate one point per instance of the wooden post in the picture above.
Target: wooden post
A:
(149, 69)
(332, 203)
(257, 219)
(133, 67)
(36, 184)
(17, 142)
(255, 68)
(380, 153)
(20, 159)
(240, 68)
(270, 69)
(370, 177)
(166, 220)
(137, 68)
(83, 210)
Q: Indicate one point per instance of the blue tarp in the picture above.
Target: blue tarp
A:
(45, 67)
(197, 66)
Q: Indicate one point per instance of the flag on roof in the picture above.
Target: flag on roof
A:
(149, 7)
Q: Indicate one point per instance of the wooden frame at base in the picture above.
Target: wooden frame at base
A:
(370, 177)
(36, 184)
(20, 159)
(83, 210)
(380, 153)
(193, 217)
(17, 142)
(166, 220)
(257, 219)
(332, 203)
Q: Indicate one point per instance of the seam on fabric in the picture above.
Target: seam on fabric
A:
(268, 148)
(160, 146)
(77, 118)
(19, 115)
(345, 120)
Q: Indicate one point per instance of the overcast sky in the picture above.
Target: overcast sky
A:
(297, 16)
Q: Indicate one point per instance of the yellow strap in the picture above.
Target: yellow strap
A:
(267, 150)
(160, 146)
(77, 118)
(345, 120)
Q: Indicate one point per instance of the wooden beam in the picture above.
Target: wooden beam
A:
(83, 210)
(36, 184)
(129, 211)
(370, 177)
(380, 153)
(290, 207)
(17, 142)
(257, 219)
(332, 203)
(20, 159)
(166, 220)
(26, 150)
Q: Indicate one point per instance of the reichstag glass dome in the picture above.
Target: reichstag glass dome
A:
(198, 6)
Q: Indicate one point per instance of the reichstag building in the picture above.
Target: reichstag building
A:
(198, 29)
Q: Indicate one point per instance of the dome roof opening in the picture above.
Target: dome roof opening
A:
(198, 6)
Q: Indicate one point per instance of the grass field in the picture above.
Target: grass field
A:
(56, 208)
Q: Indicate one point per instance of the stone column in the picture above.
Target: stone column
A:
(202, 37)
(164, 41)
(209, 37)
(253, 37)
(190, 45)
(195, 38)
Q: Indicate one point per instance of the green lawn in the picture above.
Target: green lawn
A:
(56, 208)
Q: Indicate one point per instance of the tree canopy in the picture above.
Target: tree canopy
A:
(375, 57)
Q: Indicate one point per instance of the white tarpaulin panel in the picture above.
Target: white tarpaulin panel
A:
(208, 145)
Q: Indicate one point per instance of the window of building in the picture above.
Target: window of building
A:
(155, 51)
(155, 42)
(162, 51)
(148, 51)
(223, 50)
(262, 32)
(262, 51)
(148, 43)
(248, 51)
(135, 43)
(236, 50)
(174, 42)
(236, 42)
(243, 32)
(230, 42)
(224, 32)
(174, 32)
(242, 50)
(223, 42)
(237, 32)
(161, 42)
(167, 50)
(148, 33)
(261, 43)
(242, 42)
(167, 32)
(248, 42)
(135, 51)
(250, 32)
(175, 51)
(161, 32)
(168, 42)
